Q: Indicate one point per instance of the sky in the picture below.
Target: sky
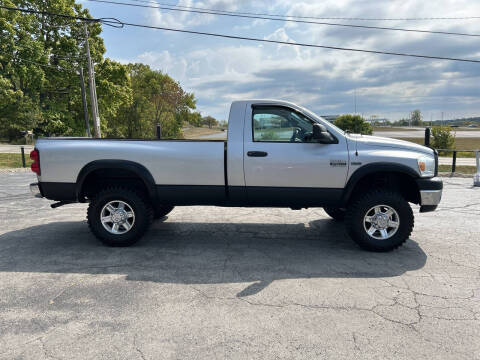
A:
(219, 70)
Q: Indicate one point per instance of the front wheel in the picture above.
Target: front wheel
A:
(119, 216)
(380, 220)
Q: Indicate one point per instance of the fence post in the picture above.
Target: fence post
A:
(454, 161)
(427, 136)
(476, 177)
(159, 132)
(23, 156)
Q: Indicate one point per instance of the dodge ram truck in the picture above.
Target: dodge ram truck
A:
(277, 154)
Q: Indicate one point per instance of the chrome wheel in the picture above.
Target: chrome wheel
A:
(381, 222)
(117, 217)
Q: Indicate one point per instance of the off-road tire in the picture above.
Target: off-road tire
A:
(136, 200)
(356, 211)
(161, 211)
(335, 213)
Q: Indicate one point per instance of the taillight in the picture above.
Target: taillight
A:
(35, 156)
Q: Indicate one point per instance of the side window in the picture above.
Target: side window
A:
(280, 124)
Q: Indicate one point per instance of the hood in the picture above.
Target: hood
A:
(390, 143)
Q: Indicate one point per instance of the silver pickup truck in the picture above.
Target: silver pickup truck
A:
(277, 154)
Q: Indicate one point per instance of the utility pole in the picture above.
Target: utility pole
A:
(91, 86)
(84, 102)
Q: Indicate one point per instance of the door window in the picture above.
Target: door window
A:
(280, 124)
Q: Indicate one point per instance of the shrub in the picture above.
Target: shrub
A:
(443, 137)
(354, 123)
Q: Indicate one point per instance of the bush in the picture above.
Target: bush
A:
(443, 137)
(354, 123)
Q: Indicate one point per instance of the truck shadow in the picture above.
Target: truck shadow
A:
(207, 253)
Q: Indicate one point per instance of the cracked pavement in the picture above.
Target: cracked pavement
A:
(236, 283)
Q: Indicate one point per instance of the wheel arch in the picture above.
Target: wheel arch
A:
(390, 174)
(117, 169)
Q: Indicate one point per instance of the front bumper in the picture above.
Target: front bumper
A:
(35, 190)
(430, 193)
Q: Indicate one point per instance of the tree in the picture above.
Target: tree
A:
(40, 56)
(39, 59)
(209, 121)
(416, 118)
(194, 119)
(156, 99)
(354, 123)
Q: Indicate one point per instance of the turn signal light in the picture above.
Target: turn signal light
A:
(421, 166)
(35, 156)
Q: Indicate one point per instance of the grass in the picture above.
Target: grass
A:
(461, 169)
(13, 160)
(460, 143)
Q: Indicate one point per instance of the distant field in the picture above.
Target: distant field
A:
(196, 132)
(460, 143)
(13, 160)
(406, 128)
(390, 128)
(461, 169)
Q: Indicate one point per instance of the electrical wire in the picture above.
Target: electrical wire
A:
(312, 17)
(300, 44)
(39, 12)
(252, 39)
(56, 67)
(204, 12)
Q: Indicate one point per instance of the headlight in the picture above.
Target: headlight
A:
(426, 166)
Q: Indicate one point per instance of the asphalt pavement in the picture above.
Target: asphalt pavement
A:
(236, 283)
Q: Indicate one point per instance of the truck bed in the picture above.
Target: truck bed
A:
(172, 163)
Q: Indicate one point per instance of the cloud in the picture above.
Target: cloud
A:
(222, 70)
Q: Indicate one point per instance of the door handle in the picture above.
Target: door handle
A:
(257, 153)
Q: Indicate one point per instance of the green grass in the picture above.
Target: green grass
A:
(13, 160)
(460, 143)
(461, 169)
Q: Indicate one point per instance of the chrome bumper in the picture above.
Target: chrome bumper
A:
(430, 197)
(35, 190)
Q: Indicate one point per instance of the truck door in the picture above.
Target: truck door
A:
(284, 165)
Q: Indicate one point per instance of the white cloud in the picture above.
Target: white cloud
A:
(324, 79)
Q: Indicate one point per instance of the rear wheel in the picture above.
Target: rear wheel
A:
(119, 216)
(161, 210)
(380, 220)
(335, 213)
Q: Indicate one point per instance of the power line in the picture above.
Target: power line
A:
(39, 12)
(300, 44)
(205, 12)
(313, 17)
(56, 67)
(107, 22)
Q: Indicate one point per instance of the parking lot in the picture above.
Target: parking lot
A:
(238, 283)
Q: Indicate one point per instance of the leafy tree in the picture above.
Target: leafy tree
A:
(416, 118)
(194, 119)
(156, 99)
(354, 123)
(209, 121)
(40, 57)
(443, 137)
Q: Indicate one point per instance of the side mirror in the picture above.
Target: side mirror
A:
(321, 134)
